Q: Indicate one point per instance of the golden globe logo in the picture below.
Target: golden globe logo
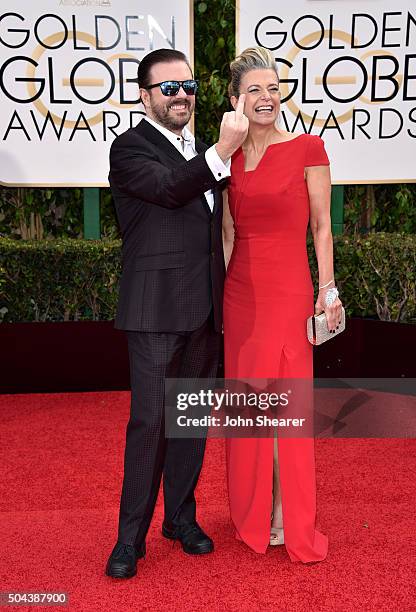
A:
(68, 82)
(333, 71)
(66, 72)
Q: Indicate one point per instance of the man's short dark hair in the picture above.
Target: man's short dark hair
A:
(157, 57)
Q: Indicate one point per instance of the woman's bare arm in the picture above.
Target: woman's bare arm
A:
(318, 180)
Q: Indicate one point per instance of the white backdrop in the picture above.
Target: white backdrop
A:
(64, 90)
(332, 56)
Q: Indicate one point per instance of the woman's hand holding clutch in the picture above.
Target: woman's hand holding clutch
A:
(322, 327)
(329, 302)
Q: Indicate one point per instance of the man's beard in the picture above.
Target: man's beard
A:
(163, 116)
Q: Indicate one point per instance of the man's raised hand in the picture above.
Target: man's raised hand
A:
(233, 130)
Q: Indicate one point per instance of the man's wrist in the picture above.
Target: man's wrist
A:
(223, 151)
(219, 169)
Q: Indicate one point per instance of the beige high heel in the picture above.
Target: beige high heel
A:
(276, 536)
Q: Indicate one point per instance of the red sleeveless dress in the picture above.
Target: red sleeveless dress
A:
(268, 297)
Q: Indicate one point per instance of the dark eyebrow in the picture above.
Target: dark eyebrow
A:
(256, 85)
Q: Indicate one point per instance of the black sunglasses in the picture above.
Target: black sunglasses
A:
(171, 88)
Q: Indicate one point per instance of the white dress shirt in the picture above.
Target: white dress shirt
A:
(186, 145)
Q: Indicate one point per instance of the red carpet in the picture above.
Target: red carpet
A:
(59, 506)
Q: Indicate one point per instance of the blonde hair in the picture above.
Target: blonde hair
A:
(253, 58)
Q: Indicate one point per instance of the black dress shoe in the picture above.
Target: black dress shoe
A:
(123, 560)
(194, 541)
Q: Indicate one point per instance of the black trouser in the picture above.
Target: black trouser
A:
(154, 357)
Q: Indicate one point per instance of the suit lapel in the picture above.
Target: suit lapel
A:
(155, 137)
(200, 146)
(158, 139)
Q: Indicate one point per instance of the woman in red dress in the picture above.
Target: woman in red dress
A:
(280, 183)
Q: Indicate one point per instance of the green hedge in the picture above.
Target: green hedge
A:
(376, 275)
(63, 280)
(58, 280)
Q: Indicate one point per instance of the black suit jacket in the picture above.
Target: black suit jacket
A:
(172, 259)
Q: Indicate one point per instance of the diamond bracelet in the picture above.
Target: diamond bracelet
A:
(331, 295)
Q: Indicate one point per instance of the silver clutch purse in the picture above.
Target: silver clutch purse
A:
(317, 328)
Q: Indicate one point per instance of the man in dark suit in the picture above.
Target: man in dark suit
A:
(167, 191)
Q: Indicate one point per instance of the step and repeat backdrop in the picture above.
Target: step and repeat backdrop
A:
(68, 69)
(348, 73)
(68, 82)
